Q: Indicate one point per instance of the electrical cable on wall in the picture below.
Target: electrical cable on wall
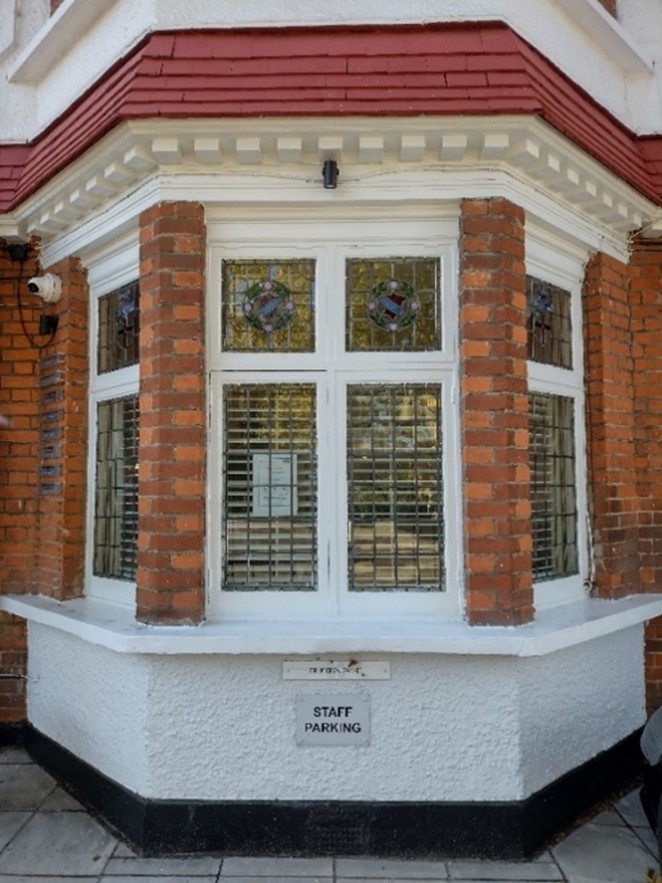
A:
(47, 287)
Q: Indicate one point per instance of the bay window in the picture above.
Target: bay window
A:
(333, 428)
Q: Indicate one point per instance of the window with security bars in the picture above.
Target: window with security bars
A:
(552, 460)
(549, 323)
(332, 377)
(270, 497)
(116, 489)
(395, 512)
(118, 328)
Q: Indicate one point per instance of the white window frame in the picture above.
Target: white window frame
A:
(116, 265)
(562, 263)
(330, 243)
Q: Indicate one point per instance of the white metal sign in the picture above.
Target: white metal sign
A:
(335, 670)
(332, 719)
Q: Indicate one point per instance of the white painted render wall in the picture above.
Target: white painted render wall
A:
(612, 61)
(443, 728)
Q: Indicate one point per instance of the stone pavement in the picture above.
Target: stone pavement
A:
(45, 835)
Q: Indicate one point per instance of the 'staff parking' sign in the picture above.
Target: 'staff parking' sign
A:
(332, 719)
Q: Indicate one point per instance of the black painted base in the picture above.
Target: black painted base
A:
(298, 828)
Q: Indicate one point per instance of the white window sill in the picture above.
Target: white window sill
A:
(115, 628)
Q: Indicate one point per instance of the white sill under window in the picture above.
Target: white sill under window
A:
(116, 629)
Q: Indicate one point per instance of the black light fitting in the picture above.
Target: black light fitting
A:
(48, 324)
(18, 251)
(330, 174)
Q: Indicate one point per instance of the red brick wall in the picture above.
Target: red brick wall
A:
(62, 453)
(18, 469)
(43, 455)
(494, 409)
(646, 323)
(610, 427)
(170, 574)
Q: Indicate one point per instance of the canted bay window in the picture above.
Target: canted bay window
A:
(332, 413)
(556, 438)
(113, 445)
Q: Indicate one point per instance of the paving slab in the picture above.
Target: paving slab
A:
(608, 817)
(235, 866)
(193, 866)
(132, 879)
(263, 877)
(11, 754)
(632, 811)
(383, 879)
(58, 844)
(123, 850)
(12, 878)
(10, 824)
(601, 852)
(60, 800)
(484, 870)
(23, 786)
(649, 840)
(371, 868)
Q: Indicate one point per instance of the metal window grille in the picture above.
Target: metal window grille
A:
(422, 276)
(239, 280)
(270, 487)
(116, 489)
(119, 328)
(395, 499)
(553, 489)
(550, 324)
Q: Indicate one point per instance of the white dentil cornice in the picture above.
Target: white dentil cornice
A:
(279, 160)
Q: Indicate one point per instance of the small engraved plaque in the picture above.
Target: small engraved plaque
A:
(336, 670)
(332, 719)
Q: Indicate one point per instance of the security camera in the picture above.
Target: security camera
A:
(48, 287)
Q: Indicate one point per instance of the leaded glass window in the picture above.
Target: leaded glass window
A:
(268, 306)
(332, 373)
(270, 505)
(549, 323)
(395, 511)
(553, 485)
(118, 328)
(393, 305)
(116, 489)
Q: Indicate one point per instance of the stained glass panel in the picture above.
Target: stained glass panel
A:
(393, 305)
(119, 328)
(268, 306)
(550, 326)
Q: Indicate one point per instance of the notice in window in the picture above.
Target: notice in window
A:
(274, 485)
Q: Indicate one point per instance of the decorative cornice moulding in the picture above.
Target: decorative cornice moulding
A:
(285, 157)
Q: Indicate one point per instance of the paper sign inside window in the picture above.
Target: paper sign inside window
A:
(274, 485)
